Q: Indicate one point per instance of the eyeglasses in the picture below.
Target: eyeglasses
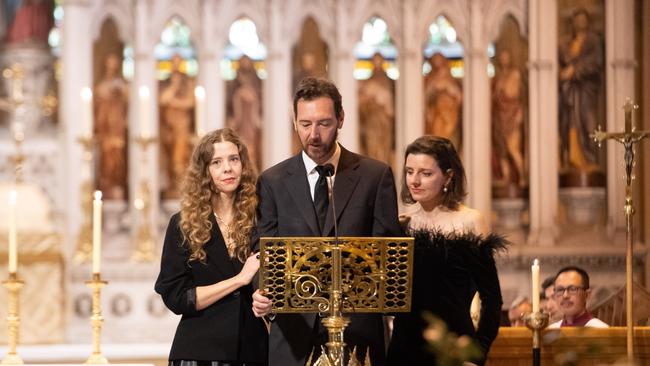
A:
(572, 290)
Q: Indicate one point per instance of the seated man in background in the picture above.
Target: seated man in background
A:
(548, 303)
(519, 307)
(570, 292)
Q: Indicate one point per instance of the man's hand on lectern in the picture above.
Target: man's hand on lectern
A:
(261, 304)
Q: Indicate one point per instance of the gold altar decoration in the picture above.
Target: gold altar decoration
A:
(13, 285)
(628, 138)
(84, 237)
(16, 103)
(536, 322)
(330, 276)
(96, 320)
(144, 240)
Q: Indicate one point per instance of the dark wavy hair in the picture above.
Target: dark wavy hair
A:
(583, 274)
(444, 153)
(197, 193)
(311, 88)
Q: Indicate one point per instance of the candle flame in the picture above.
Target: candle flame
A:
(536, 262)
(98, 195)
(12, 197)
(86, 94)
(199, 92)
(144, 92)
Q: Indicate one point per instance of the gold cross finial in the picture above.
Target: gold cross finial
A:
(628, 107)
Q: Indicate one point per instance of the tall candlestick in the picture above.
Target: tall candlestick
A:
(535, 271)
(143, 109)
(199, 93)
(97, 231)
(13, 249)
(87, 111)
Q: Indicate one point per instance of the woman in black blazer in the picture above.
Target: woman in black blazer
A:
(207, 263)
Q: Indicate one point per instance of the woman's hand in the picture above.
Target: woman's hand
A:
(261, 304)
(250, 268)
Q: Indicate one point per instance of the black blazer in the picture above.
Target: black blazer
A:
(366, 205)
(224, 331)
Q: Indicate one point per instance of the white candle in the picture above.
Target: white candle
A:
(535, 271)
(143, 109)
(13, 253)
(97, 231)
(199, 93)
(87, 111)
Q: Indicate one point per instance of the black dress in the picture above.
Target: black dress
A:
(226, 332)
(448, 269)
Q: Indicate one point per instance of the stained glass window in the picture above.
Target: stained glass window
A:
(444, 39)
(375, 38)
(243, 40)
(54, 38)
(175, 39)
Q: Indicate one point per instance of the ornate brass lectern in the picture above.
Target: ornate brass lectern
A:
(332, 277)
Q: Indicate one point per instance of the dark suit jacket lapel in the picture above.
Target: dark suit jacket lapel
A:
(346, 179)
(298, 187)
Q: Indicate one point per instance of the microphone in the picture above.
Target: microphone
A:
(328, 170)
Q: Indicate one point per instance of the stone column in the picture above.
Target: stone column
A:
(342, 75)
(145, 75)
(209, 71)
(409, 90)
(276, 136)
(76, 60)
(543, 119)
(347, 84)
(620, 61)
(476, 115)
(645, 150)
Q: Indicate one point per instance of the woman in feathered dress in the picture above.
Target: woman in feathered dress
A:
(453, 256)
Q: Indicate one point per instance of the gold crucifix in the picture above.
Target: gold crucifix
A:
(628, 138)
(15, 103)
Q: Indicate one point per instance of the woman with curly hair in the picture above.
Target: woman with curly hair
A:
(453, 256)
(207, 262)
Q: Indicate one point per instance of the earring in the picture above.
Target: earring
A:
(444, 189)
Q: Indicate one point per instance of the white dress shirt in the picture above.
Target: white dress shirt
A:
(312, 173)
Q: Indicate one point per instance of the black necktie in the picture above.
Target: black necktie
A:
(320, 196)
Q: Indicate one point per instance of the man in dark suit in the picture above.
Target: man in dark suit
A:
(291, 204)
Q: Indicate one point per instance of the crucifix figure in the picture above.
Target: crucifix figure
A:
(628, 138)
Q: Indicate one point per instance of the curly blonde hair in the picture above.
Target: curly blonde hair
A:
(198, 191)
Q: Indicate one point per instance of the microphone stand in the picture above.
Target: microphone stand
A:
(335, 323)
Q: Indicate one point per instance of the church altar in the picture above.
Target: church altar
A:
(589, 346)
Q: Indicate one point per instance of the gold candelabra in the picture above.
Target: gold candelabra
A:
(628, 138)
(13, 285)
(144, 240)
(536, 322)
(84, 238)
(96, 320)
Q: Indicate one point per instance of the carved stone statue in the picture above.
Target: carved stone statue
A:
(377, 113)
(507, 122)
(111, 106)
(176, 125)
(442, 100)
(581, 66)
(245, 116)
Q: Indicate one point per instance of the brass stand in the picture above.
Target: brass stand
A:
(324, 275)
(144, 241)
(536, 322)
(84, 238)
(628, 138)
(13, 285)
(96, 320)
